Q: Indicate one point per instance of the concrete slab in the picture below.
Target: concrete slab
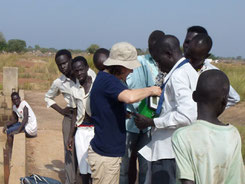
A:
(2, 146)
(18, 161)
(10, 80)
(45, 153)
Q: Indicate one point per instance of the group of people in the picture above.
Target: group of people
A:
(103, 128)
(105, 133)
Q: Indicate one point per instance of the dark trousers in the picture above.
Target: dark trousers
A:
(163, 171)
(70, 157)
(128, 171)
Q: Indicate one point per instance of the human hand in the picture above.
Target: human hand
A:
(67, 111)
(70, 143)
(142, 122)
(155, 91)
(128, 115)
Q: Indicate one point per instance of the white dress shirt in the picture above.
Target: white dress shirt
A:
(61, 85)
(233, 97)
(178, 110)
(81, 99)
(64, 86)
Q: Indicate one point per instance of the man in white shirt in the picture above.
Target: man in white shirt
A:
(63, 85)
(82, 127)
(178, 109)
(209, 151)
(193, 31)
(23, 111)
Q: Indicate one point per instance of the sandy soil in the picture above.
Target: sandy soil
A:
(45, 154)
(235, 115)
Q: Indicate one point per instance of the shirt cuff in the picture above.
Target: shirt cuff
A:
(50, 103)
(158, 123)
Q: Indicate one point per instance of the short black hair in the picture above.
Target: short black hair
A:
(100, 51)
(197, 29)
(15, 94)
(154, 36)
(211, 86)
(63, 52)
(203, 41)
(80, 58)
(168, 42)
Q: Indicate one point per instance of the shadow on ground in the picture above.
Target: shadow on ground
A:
(58, 167)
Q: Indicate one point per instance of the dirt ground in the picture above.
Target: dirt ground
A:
(45, 154)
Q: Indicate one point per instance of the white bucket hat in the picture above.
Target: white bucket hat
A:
(123, 54)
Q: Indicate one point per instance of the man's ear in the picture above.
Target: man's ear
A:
(169, 54)
(224, 100)
(195, 96)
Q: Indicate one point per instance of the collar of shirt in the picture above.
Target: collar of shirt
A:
(151, 60)
(63, 78)
(81, 101)
(173, 69)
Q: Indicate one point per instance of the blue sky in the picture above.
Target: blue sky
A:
(76, 24)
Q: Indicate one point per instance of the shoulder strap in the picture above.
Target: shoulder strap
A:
(161, 100)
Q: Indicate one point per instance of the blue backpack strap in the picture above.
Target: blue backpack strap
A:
(161, 100)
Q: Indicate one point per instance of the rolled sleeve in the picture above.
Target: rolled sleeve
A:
(51, 94)
(233, 97)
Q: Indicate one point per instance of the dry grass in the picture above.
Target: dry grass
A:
(35, 72)
(236, 75)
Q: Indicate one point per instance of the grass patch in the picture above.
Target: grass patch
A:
(90, 62)
(39, 68)
(25, 75)
(26, 86)
(241, 130)
(236, 75)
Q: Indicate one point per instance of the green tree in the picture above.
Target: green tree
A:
(92, 48)
(16, 45)
(3, 43)
(239, 57)
(30, 48)
(213, 57)
(37, 47)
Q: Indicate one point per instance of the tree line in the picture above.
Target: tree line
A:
(19, 46)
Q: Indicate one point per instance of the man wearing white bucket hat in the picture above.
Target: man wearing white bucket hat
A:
(108, 99)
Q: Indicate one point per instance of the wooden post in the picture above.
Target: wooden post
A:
(6, 162)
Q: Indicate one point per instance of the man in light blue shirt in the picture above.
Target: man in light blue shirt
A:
(141, 77)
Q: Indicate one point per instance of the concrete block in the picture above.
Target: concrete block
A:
(4, 105)
(8, 112)
(10, 80)
(1, 111)
(2, 146)
(22, 94)
(4, 117)
(2, 99)
(18, 161)
(8, 102)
